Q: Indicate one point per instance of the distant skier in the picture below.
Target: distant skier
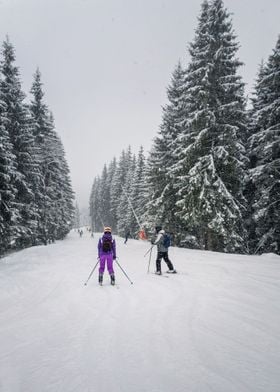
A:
(142, 235)
(163, 242)
(106, 253)
(127, 235)
(81, 233)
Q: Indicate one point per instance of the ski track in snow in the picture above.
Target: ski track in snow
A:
(213, 327)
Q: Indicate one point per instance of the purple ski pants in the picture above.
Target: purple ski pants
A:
(103, 259)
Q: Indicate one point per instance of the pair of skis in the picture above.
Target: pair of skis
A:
(164, 275)
(86, 282)
(114, 285)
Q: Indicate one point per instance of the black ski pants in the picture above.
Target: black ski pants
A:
(165, 257)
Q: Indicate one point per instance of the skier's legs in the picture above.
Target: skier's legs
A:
(110, 264)
(158, 261)
(167, 260)
(102, 264)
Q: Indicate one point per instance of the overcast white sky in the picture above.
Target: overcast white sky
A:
(106, 64)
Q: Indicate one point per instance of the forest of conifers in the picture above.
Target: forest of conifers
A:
(212, 176)
(36, 197)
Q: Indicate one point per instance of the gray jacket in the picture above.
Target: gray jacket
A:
(159, 242)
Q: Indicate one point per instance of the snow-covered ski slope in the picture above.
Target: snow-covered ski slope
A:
(213, 327)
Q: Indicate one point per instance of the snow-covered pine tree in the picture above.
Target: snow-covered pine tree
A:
(212, 157)
(118, 181)
(125, 207)
(64, 207)
(250, 187)
(8, 211)
(155, 179)
(56, 196)
(161, 206)
(265, 156)
(95, 211)
(19, 128)
(77, 219)
(116, 188)
(43, 133)
(138, 195)
(110, 175)
(104, 195)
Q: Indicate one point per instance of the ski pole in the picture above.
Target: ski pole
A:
(150, 260)
(91, 272)
(123, 271)
(148, 251)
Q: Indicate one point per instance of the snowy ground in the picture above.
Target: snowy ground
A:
(213, 327)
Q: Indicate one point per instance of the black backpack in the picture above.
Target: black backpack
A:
(107, 245)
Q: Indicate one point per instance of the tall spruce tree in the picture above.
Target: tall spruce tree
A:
(265, 156)
(110, 175)
(43, 133)
(250, 186)
(97, 223)
(8, 211)
(125, 207)
(19, 128)
(77, 219)
(212, 161)
(138, 195)
(118, 182)
(161, 206)
(105, 197)
(116, 188)
(64, 212)
(55, 198)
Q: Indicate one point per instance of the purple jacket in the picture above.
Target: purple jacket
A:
(113, 251)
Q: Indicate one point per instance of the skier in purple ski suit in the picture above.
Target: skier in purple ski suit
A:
(106, 252)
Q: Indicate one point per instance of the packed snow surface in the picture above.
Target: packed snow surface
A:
(215, 326)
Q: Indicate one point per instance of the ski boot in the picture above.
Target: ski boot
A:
(173, 271)
(112, 279)
(100, 279)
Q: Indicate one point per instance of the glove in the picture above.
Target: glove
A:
(114, 257)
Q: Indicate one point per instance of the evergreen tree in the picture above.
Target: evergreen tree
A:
(110, 175)
(64, 211)
(104, 195)
(265, 156)
(161, 206)
(118, 182)
(8, 211)
(116, 189)
(95, 207)
(77, 219)
(138, 195)
(125, 207)
(55, 198)
(212, 161)
(19, 128)
(250, 187)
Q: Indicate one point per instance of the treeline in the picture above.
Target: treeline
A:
(118, 196)
(212, 176)
(36, 197)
